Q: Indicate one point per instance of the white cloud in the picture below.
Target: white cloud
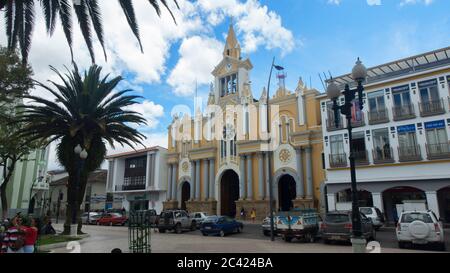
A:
(198, 56)
(413, 2)
(150, 111)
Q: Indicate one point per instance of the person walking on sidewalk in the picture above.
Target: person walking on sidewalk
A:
(253, 215)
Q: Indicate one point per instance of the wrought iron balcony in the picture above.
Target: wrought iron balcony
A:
(338, 160)
(438, 151)
(378, 117)
(409, 153)
(331, 125)
(431, 108)
(132, 184)
(361, 157)
(404, 112)
(383, 155)
(359, 122)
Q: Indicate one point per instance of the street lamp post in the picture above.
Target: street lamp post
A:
(82, 154)
(359, 74)
(269, 158)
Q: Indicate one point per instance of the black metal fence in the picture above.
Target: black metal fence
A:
(139, 232)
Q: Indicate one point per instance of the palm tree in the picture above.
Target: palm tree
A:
(88, 112)
(20, 20)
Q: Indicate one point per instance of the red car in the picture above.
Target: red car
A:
(112, 219)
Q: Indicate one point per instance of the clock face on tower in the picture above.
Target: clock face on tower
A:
(229, 66)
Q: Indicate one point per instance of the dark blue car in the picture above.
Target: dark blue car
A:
(220, 225)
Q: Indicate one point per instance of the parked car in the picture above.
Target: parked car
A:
(337, 226)
(302, 224)
(153, 216)
(375, 215)
(266, 226)
(112, 219)
(420, 227)
(220, 225)
(176, 220)
(199, 217)
(92, 219)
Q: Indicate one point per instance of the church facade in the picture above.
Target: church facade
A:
(218, 157)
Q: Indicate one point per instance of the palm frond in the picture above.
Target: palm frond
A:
(82, 14)
(128, 10)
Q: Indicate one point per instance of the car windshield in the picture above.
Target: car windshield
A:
(211, 219)
(366, 211)
(337, 218)
(416, 216)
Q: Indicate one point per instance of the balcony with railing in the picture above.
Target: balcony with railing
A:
(360, 121)
(431, 108)
(332, 126)
(132, 184)
(378, 117)
(409, 153)
(438, 151)
(361, 157)
(338, 160)
(383, 155)
(403, 112)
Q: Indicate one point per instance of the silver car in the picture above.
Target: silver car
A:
(375, 215)
(199, 217)
(92, 219)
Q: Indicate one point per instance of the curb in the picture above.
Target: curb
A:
(62, 244)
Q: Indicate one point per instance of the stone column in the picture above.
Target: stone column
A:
(169, 182)
(242, 195)
(212, 176)
(249, 178)
(331, 200)
(205, 180)
(377, 200)
(192, 181)
(174, 181)
(432, 202)
(148, 171)
(266, 177)
(197, 180)
(300, 186)
(309, 178)
(260, 176)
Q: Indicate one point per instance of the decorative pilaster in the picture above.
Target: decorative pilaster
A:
(266, 160)
(260, 176)
(192, 197)
(205, 180)
(197, 180)
(300, 186)
(169, 183)
(174, 181)
(309, 178)
(249, 178)
(242, 178)
(211, 179)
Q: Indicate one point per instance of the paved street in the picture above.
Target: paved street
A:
(104, 238)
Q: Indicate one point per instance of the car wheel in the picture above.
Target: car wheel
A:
(309, 238)
(204, 234)
(287, 239)
(326, 241)
(161, 230)
(401, 245)
(178, 229)
(110, 224)
(266, 233)
(222, 233)
(441, 247)
(238, 230)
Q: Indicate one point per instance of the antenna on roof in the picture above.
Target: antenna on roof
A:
(325, 75)
(320, 77)
(330, 74)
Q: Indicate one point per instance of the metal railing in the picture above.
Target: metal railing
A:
(430, 108)
(409, 153)
(132, 185)
(438, 151)
(383, 155)
(361, 157)
(377, 117)
(359, 122)
(331, 125)
(338, 160)
(404, 112)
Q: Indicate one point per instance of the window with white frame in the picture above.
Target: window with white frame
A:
(337, 144)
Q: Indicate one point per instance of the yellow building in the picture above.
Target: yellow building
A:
(217, 160)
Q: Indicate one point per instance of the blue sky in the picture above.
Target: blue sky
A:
(306, 36)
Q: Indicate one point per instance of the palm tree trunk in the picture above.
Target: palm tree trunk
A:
(71, 193)
(7, 174)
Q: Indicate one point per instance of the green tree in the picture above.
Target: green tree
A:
(87, 111)
(15, 81)
(20, 20)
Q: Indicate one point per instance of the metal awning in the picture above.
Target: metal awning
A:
(433, 59)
